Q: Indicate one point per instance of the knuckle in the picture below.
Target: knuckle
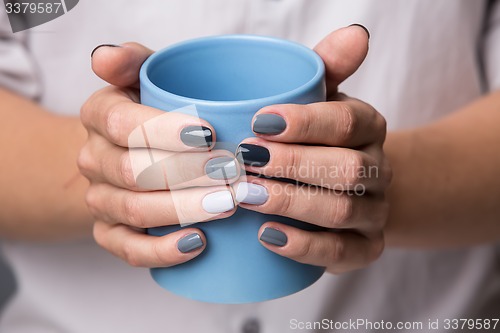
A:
(182, 210)
(308, 128)
(125, 171)
(113, 122)
(285, 204)
(348, 122)
(132, 211)
(86, 110)
(338, 252)
(354, 164)
(85, 161)
(294, 162)
(92, 201)
(84, 113)
(303, 250)
(342, 212)
(98, 236)
(129, 254)
(179, 175)
(161, 256)
(381, 124)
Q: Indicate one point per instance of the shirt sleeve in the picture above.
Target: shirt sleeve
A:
(491, 47)
(18, 71)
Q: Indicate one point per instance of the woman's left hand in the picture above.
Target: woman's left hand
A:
(334, 150)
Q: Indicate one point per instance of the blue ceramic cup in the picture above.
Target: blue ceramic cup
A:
(228, 79)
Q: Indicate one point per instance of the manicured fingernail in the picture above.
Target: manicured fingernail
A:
(252, 194)
(218, 202)
(190, 243)
(274, 237)
(102, 45)
(363, 27)
(196, 136)
(269, 124)
(221, 168)
(253, 155)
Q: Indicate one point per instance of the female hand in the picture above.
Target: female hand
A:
(333, 150)
(135, 155)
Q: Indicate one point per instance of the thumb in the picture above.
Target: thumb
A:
(119, 65)
(343, 51)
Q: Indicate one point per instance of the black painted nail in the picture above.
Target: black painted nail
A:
(253, 155)
(197, 136)
(269, 124)
(363, 27)
(102, 45)
(274, 237)
(190, 243)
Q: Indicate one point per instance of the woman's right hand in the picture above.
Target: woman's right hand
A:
(136, 155)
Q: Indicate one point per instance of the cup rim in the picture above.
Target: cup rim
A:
(145, 81)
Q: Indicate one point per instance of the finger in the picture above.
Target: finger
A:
(141, 250)
(143, 169)
(312, 204)
(334, 168)
(337, 251)
(114, 115)
(119, 65)
(153, 209)
(348, 123)
(342, 51)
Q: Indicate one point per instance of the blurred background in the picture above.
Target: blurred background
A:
(7, 285)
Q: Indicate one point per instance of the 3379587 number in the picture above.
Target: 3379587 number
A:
(470, 324)
(33, 8)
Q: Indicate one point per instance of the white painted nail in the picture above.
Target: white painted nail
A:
(218, 202)
(252, 194)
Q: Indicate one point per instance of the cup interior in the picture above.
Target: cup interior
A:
(233, 68)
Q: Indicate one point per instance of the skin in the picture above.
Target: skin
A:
(432, 164)
(112, 114)
(41, 189)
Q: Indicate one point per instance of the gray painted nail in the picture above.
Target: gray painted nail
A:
(197, 136)
(269, 124)
(252, 194)
(190, 243)
(221, 168)
(274, 237)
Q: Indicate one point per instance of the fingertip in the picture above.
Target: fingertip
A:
(102, 56)
(365, 29)
(343, 51)
(191, 242)
(119, 64)
(101, 46)
(273, 235)
(200, 137)
(269, 121)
